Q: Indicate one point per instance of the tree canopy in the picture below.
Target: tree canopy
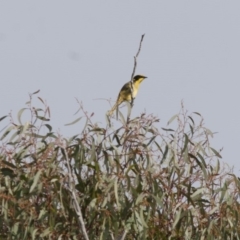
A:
(139, 181)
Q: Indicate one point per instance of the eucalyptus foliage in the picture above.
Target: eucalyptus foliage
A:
(139, 181)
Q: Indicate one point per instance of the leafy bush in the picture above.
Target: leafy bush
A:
(134, 182)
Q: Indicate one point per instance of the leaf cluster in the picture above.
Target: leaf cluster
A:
(134, 182)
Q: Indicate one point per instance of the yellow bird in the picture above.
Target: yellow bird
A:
(126, 92)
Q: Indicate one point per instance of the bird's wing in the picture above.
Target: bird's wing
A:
(125, 91)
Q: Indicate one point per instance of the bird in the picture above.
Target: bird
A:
(129, 90)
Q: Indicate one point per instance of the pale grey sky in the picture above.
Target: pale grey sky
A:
(85, 49)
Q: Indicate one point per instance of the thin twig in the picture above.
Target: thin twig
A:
(133, 73)
(74, 197)
(135, 57)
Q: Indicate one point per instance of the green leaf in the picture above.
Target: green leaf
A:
(122, 118)
(93, 203)
(35, 181)
(116, 191)
(19, 115)
(140, 198)
(208, 132)
(7, 172)
(158, 146)
(217, 167)
(216, 153)
(191, 119)
(168, 129)
(49, 127)
(215, 209)
(45, 232)
(36, 92)
(43, 118)
(142, 218)
(198, 193)
(8, 164)
(41, 100)
(2, 118)
(197, 113)
(202, 149)
(25, 127)
(75, 121)
(97, 129)
(191, 128)
(177, 218)
(9, 129)
(193, 156)
(165, 154)
(42, 212)
(151, 140)
(34, 233)
(202, 160)
(35, 135)
(172, 119)
(185, 142)
(202, 165)
(15, 134)
(115, 136)
(86, 123)
(15, 228)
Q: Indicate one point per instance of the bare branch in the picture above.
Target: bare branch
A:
(135, 57)
(133, 73)
(74, 197)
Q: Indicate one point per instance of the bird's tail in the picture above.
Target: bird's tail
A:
(114, 107)
(110, 113)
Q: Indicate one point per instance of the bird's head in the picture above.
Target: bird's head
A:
(139, 78)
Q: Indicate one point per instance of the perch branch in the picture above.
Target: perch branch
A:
(133, 73)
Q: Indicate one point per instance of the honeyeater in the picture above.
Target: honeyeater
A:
(128, 91)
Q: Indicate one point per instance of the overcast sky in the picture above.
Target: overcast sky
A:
(85, 49)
